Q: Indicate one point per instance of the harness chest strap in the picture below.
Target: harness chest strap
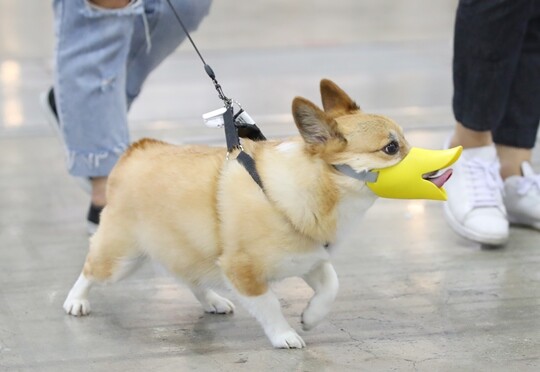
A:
(233, 142)
(249, 164)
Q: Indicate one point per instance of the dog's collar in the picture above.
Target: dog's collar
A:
(364, 176)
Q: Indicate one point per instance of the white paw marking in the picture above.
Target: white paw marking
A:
(312, 316)
(77, 307)
(287, 340)
(218, 305)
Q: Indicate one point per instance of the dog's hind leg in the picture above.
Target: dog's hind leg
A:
(211, 301)
(76, 302)
(324, 281)
(112, 256)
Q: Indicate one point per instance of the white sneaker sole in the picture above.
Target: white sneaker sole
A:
(471, 234)
(524, 222)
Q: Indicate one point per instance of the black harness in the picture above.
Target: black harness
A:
(233, 131)
(234, 127)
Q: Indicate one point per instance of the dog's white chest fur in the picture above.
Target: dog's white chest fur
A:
(299, 264)
(351, 211)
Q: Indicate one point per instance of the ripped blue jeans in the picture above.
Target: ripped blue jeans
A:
(103, 56)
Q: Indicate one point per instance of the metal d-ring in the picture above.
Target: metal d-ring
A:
(239, 147)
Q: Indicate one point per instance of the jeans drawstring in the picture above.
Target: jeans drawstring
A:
(146, 32)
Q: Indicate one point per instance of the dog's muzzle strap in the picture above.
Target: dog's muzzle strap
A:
(364, 176)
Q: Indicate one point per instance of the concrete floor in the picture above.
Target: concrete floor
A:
(414, 296)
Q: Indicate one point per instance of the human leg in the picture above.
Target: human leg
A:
(511, 159)
(488, 39)
(516, 135)
(519, 125)
(497, 74)
(165, 35)
(90, 82)
(93, 39)
(487, 44)
(469, 138)
(91, 70)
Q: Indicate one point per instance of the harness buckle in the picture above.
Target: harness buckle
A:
(239, 147)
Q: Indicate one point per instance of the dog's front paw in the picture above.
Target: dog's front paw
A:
(215, 304)
(220, 306)
(287, 340)
(77, 307)
(312, 316)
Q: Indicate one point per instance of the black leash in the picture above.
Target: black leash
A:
(239, 125)
(207, 67)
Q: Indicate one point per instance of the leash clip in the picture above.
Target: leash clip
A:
(239, 147)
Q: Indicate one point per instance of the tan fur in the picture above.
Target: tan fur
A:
(189, 208)
(203, 216)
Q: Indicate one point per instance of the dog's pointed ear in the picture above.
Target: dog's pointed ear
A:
(314, 125)
(335, 99)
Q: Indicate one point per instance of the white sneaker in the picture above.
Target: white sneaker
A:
(522, 197)
(475, 207)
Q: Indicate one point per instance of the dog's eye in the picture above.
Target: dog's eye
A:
(392, 148)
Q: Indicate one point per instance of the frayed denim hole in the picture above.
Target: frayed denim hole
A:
(135, 7)
(93, 160)
(107, 84)
(119, 150)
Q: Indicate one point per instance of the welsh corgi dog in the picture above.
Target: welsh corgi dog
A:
(200, 214)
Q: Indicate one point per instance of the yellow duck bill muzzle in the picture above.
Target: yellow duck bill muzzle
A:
(417, 176)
